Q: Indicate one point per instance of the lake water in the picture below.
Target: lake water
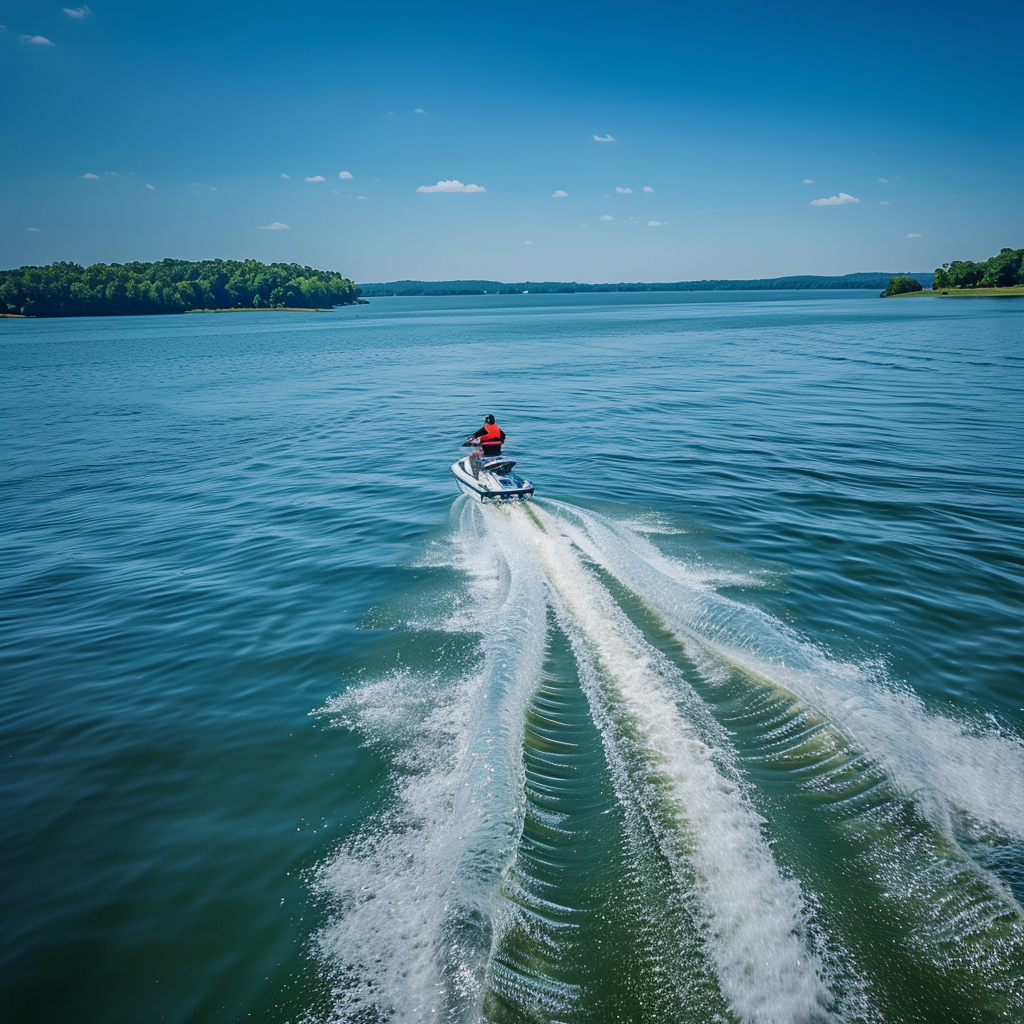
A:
(725, 726)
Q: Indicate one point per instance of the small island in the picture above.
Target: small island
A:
(999, 275)
(170, 286)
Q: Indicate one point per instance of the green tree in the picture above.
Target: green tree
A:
(899, 285)
(1003, 270)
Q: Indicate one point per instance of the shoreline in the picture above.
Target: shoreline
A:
(980, 293)
(268, 309)
(226, 309)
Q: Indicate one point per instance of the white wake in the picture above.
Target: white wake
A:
(950, 765)
(755, 918)
(413, 893)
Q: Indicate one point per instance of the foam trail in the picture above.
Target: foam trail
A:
(413, 893)
(951, 766)
(755, 919)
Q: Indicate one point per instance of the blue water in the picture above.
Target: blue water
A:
(727, 725)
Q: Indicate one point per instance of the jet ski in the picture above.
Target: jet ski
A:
(490, 478)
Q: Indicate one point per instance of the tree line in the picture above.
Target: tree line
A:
(870, 281)
(170, 286)
(1000, 271)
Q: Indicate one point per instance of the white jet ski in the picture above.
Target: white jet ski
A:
(490, 478)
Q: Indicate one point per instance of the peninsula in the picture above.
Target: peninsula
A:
(999, 275)
(170, 286)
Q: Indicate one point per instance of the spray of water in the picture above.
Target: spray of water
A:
(754, 918)
(413, 892)
(969, 768)
(427, 910)
(888, 773)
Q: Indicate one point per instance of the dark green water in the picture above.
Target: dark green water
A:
(727, 728)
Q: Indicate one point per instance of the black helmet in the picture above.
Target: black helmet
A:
(488, 418)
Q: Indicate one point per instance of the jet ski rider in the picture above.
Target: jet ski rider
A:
(491, 438)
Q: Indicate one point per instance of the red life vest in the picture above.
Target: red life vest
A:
(491, 434)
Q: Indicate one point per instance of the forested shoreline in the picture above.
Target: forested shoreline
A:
(170, 286)
(868, 281)
(181, 286)
(1001, 271)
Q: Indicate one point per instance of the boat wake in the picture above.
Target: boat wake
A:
(641, 798)
(955, 767)
(411, 894)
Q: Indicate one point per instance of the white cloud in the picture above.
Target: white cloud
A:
(34, 230)
(840, 200)
(419, 110)
(623, 191)
(884, 181)
(647, 188)
(604, 138)
(453, 185)
(913, 234)
(153, 187)
(808, 181)
(360, 197)
(607, 217)
(559, 194)
(316, 177)
(113, 174)
(287, 177)
(335, 192)
(36, 41)
(654, 223)
(91, 176)
(884, 202)
(345, 175)
(527, 243)
(78, 13)
(276, 226)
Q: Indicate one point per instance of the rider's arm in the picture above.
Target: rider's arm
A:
(480, 433)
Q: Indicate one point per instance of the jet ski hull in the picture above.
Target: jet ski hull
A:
(498, 485)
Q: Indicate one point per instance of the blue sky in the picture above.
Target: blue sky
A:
(689, 140)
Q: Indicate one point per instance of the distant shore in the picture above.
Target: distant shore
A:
(870, 281)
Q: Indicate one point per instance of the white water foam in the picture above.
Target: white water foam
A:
(965, 918)
(949, 764)
(755, 918)
(413, 893)
(652, 522)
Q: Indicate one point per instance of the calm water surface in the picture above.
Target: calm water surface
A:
(726, 726)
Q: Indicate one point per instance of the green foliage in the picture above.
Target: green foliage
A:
(1000, 271)
(170, 286)
(900, 284)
